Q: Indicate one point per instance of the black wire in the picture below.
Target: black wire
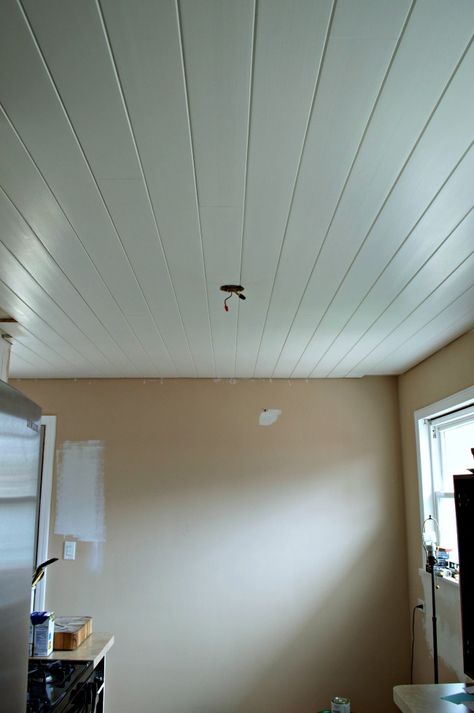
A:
(418, 606)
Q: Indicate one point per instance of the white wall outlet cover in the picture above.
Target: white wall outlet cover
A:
(269, 416)
(69, 552)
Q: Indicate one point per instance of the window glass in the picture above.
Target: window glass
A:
(445, 437)
(456, 444)
(447, 527)
(453, 438)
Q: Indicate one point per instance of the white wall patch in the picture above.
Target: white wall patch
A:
(80, 501)
(269, 416)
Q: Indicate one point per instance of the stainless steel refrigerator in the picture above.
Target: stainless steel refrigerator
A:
(19, 464)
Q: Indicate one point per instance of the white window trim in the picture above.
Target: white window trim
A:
(45, 506)
(459, 400)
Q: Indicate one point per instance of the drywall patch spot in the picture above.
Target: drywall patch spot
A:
(80, 501)
(269, 416)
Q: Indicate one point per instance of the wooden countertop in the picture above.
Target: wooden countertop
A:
(426, 698)
(92, 649)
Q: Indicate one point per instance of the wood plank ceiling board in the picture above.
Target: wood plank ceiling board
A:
(217, 41)
(36, 326)
(384, 250)
(431, 41)
(443, 278)
(129, 341)
(146, 45)
(7, 78)
(289, 45)
(337, 252)
(32, 359)
(37, 352)
(38, 348)
(449, 216)
(75, 46)
(412, 349)
(152, 357)
(55, 148)
(318, 152)
(22, 244)
(361, 43)
(21, 365)
(27, 365)
(21, 282)
(21, 180)
(440, 176)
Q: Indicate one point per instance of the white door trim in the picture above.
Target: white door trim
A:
(45, 504)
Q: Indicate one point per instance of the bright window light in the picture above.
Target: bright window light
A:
(445, 436)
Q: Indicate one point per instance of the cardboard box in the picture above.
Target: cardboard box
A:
(41, 633)
(71, 631)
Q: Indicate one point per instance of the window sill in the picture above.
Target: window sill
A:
(448, 581)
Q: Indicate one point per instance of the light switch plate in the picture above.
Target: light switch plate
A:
(69, 551)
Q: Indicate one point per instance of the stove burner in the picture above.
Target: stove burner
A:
(49, 682)
(56, 672)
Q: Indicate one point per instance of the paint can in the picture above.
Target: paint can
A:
(340, 705)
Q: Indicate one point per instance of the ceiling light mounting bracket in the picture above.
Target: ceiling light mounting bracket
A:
(232, 290)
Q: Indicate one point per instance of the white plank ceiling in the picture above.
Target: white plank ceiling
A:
(318, 152)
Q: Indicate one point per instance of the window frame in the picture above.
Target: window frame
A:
(424, 418)
(42, 543)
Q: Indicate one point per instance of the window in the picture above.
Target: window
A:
(445, 436)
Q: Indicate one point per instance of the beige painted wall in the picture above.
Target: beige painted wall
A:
(245, 568)
(448, 371)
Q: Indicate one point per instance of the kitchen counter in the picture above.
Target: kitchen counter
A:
(94, 649)
(91, 680)
(426, 698)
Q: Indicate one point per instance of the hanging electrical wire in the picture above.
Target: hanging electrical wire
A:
(232, 290)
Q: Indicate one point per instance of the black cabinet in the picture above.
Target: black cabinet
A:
(464, 502)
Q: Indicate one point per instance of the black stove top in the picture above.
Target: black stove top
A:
(51, 681)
